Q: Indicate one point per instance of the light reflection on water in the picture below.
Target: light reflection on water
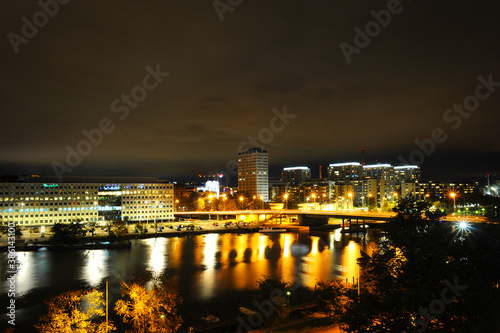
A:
(202, 267)
(223, 263)
(157, 255)
(95, 267)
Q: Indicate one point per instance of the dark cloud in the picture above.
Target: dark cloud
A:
(226, 78)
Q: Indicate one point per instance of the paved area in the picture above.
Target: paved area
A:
(288, 326)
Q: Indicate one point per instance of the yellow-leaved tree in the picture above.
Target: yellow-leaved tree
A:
(73, 311)
(149, 310)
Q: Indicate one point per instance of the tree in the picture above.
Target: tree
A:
(428, 276)
(153, 310)
(273, 292)
(119, 229)
(231, 204)
(73, 311)
(66, 233)
(140, 227)
(333, 297)
(200, 204)
(4, 229)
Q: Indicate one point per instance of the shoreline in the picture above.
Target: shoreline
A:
(31, 243)
(35, 242)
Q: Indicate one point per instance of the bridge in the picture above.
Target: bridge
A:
(305, 217)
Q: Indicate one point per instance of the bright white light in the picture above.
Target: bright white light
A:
(377, 166)
(406, 167)
(463, 225)
(344, 164)
(295, 168)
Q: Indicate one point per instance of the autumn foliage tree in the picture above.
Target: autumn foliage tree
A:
(272, 294)
(75, 312)
(333, 297)
(153, 310)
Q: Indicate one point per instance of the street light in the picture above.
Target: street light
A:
(262, 199)
(289, 306)
(286, 200)
(224, 198)
(351, 200)
(453, 195)
(210, 205)
(241, 200)
(156, 210)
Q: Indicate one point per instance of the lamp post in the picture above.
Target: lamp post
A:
(22, 209)
(289, 306)
(286, 200)
(156, 212)
(453, 195)
(210, 197)
(241, 201)
(350, 201)
(262, 199)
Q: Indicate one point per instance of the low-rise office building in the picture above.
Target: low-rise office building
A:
(35, 200)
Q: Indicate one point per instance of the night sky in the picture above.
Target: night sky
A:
(225, 77)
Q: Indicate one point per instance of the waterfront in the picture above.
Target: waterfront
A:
(212, 272)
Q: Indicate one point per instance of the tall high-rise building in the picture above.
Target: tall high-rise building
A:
(253, 175)
(379, 171)
(407, 173)
(345, 171)
(295, 175)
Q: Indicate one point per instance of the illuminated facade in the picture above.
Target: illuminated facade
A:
(312, 191)
(379, 171)
(437, 190)
(253, 176)
(407, 174)
(345, 171)
(295, 175)
(34, 200)
(211, 186)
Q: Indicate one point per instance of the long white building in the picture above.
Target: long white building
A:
(34, 200)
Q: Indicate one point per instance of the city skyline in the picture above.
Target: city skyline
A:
(179, 90)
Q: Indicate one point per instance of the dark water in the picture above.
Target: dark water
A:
(214, 273)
